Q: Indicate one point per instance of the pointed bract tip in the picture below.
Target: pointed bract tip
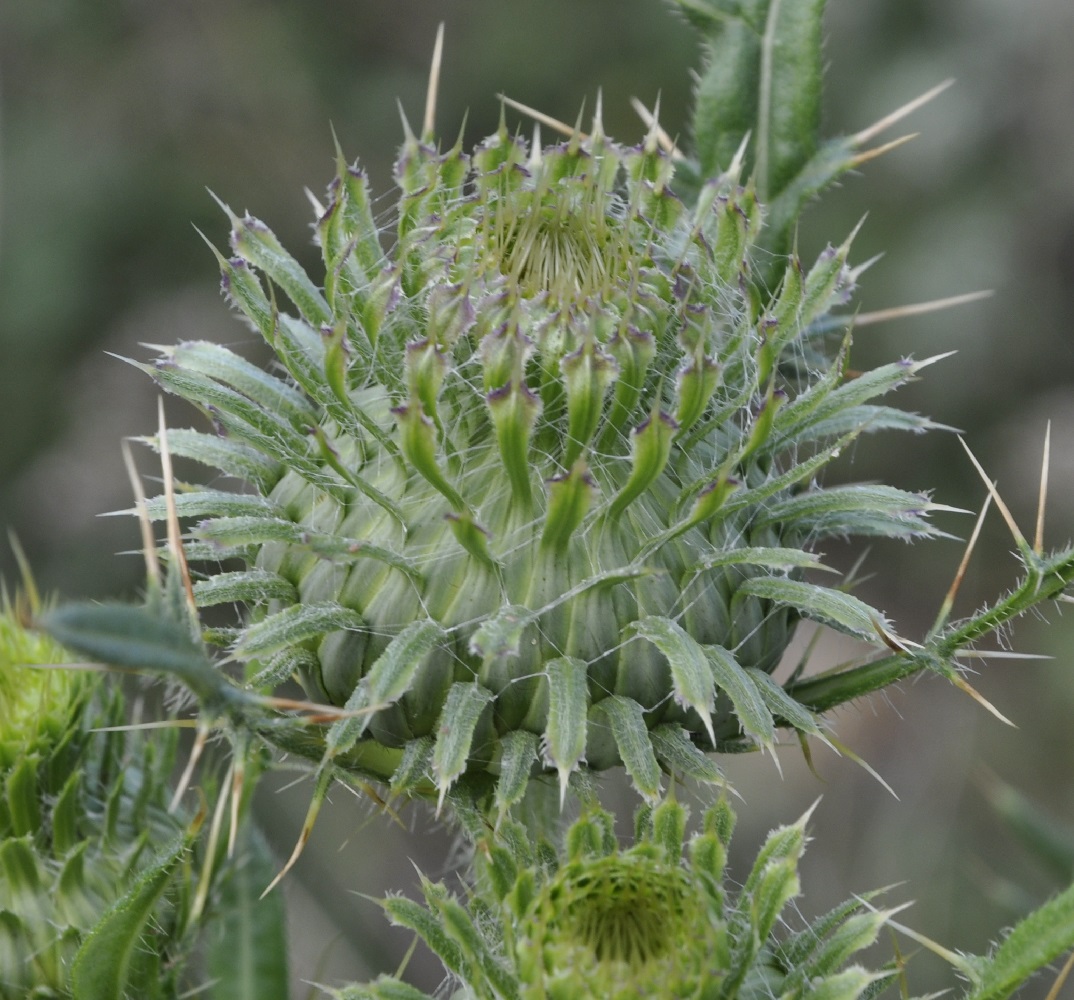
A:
(963, 685)
(871, 131)
(734, 169)
(409, 139)
(878, 151)
(539, 116)
(598, 116)
(921, 308)
(536, 155)
(235, 220)
(318, 208)
(651, 121)
(428, 127)
(808, 814)
(577, 135)
(220, 258)
(1038, 534)
(652, 138)
(1019, 538)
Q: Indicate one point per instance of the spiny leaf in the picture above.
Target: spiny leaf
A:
(625, 719)
(1035, 941)
(390, 677)
(691, 675)
(840, 611)
(251, 586)
(753, 716)
(678, 754)
(783, 706)
(516, 762)
(134, 638)
(295, 625)
(102, 966)
(455, 732)
(762, 76)
(405, 912)
(565, 735)
(232, 457)
(247, 951)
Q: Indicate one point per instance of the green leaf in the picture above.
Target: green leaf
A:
(762, 76)
(135, 638)
(462, 710)
(212, 503)
(565, 734)
(499, 635)
(753, 716)
(678, 754)
(759, 555)
(222, 365)
(21, 795)
(516, 762)
(256, 243)
(249, 586)
(247, 943)
(1033, 943)
(783, 706)
(800, 947)
(691, 676)
(415, 765)
(854, 509)
(295, 625)
(777, 885)
(626, 720)
(405, 912)
(390, 677)
(849, 984)
(102, 966)
(853, 935)
(232, 457)
(458, 924)
(839, 611)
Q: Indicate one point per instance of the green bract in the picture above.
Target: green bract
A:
(539, 484)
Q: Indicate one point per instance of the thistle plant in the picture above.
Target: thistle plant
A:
(90, 857)
(535, 489)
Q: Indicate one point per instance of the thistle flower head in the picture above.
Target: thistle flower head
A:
(535, 490)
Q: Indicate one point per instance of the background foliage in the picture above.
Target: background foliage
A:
(115, 116)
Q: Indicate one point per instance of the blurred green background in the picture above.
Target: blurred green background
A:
(116, 115)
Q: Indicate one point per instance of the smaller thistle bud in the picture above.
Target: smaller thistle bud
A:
(658, 919)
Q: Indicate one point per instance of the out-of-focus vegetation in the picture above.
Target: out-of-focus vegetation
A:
(115, 117)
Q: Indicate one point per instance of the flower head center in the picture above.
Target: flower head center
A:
(622, 909)
(561, 253)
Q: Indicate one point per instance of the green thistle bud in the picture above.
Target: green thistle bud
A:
(83, 829)
(655, 920)
(564, 422)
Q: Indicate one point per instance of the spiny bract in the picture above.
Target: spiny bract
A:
(538, 483)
